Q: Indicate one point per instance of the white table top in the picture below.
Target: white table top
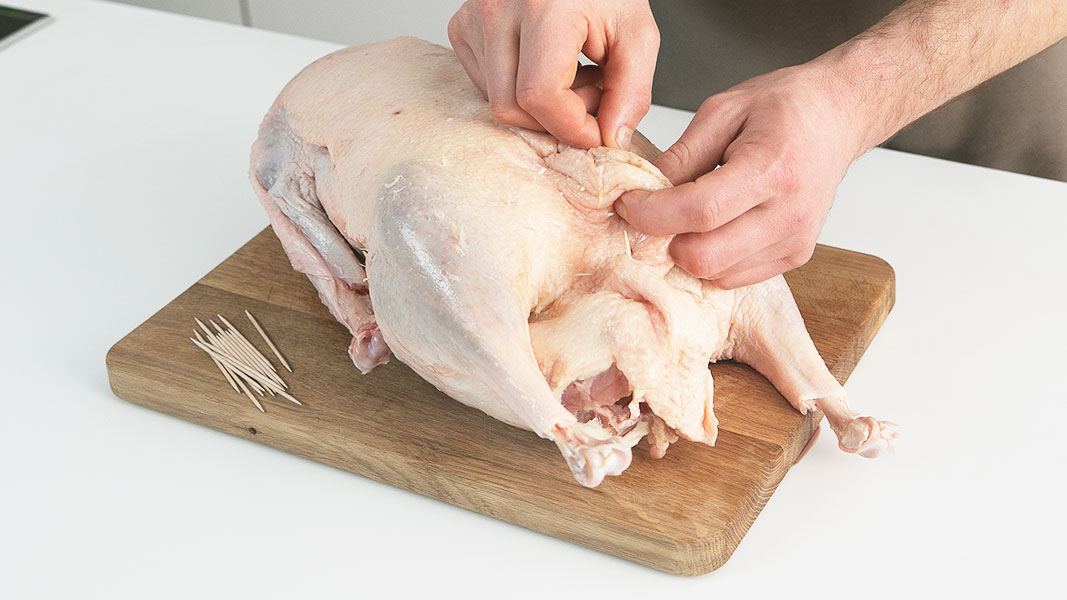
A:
(123, 148)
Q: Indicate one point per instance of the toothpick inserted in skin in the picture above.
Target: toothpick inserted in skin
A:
(269, 343)
(626, 236)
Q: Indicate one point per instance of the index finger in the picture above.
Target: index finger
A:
(628, 72)
(709, 202)
(547, 66)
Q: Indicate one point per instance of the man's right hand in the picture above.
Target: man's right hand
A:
(523, 55)
(784, 140)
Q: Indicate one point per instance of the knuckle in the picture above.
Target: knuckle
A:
(703, 266)
(453, 29)
(532, 97)
(504, 112)
(793, 217)
(653, 36)
(678, 154)
(712, 105)
(459, 25)
(800, 244)
(786, 174)
(487, 7)
(799, 259)
(704, 216)
(645, 33)
(697, 260)
(642, 97)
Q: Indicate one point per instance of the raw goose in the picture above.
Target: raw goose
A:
(488, 259)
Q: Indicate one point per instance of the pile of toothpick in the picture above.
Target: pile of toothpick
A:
(243, 366)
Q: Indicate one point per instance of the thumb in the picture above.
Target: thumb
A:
(628, 72)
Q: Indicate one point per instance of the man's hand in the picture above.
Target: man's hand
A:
(524, 56)
(784, 141)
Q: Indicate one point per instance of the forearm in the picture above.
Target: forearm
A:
(927, 52)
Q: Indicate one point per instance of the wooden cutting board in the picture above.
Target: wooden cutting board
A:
(683, 514)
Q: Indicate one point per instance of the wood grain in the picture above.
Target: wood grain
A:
(683, 514)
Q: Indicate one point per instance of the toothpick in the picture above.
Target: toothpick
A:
(226, 343)
(251, 356)
(225, 372)
(245, 368)
(240, 369)
(232, 373)
(210, 336)
(241, 383)
(222, 348)
(237, 332)
(250, 396)
(249, 374)
(600, 192)
(252, 382)
(289, 398)
(626, 236)
(269, 343)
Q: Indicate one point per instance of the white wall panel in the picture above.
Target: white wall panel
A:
(356, 21)
(219, 10)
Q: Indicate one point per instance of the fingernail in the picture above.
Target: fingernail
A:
(620, 209)
(622, 137)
